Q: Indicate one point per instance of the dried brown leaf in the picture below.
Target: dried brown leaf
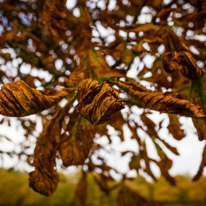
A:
(97, 102)
(135, 163)
(189, 66)
(117, 123)
(81, 191)
(143, 155)
(184, 62)
(202, 165)
(75, 146)
(165, 13)
(168, 102)
(102, 182)
(44, 179)
(200, 126)
(139, 27)
(168, 62)
(128, 196)
(164, 164)
(174, 127)
(98, 68)
(97, 63)
(8, 36)
(151, 131)
(18, 99)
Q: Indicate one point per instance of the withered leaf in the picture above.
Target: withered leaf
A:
(44, 179)
(138, 48)
(143, 155)
(189, 66)
(119, 51)
(159, 79)
(81, 191)
(117, 125)
(8, 36)
(55, 15)
(140, 27)
(200, 126)
(97, 63)
(168, 102)
(98, 67)
(75, 146)
(184, 62)
(151, 131)
(164, 13)
(168, 62)
(135, 163)
(128, 196)
(164, 164)
(97, 102)
(102, 182)
(174, 127)
(18, 99)
(202, 165)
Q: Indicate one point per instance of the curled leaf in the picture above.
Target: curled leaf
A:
(168, 63)
(189, 66)
(45, 177)
(44, 181)
(184, 62)
(18, 99)
(167, 102)
(97, 102)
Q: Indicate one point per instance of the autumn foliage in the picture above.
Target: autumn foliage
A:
(83, 66)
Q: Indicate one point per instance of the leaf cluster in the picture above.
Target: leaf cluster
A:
(76, 66)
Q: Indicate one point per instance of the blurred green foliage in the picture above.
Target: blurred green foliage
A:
(14, 190)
